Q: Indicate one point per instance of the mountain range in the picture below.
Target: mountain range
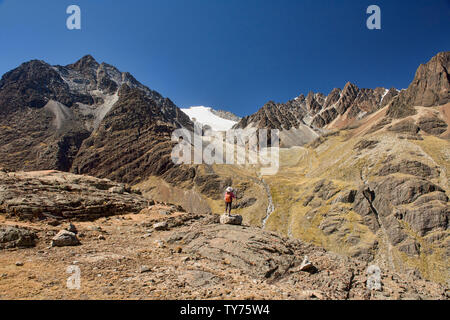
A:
(364, 172)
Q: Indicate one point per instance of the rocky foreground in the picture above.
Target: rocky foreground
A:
(160, 252)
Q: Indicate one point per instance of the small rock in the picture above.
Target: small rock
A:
(184, 259)
(19, 263)
(165, 212)
(160, 226)
(159, 243)
(231, 219)
(312, 294)
(101, 237)
(118, 189)
(307, 266)
(65, 238)
(144, 269)
(72, 228)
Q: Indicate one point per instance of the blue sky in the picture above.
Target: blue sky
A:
(233, 54)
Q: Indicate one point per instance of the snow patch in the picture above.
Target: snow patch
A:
(384, 95)
(204, 116)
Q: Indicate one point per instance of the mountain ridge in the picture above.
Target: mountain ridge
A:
(341, 108)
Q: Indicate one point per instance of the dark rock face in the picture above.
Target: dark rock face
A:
(414, 168)
(430, 87)
(226, 115)
(405, 126)
(15, 237)
(436, 217)
(81, 117)
(133, 141)
(429, 124)
(365, 144)
(391, 199)
(432, 125)
(275, 116)
(33, 84)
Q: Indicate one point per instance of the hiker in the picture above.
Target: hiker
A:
(229, 195)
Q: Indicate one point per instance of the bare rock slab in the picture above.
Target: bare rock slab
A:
(231, 219)
(60, 195)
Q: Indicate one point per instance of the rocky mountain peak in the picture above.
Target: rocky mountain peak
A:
(86, 62)
(430, 87)
(316, 110)
(49, 111)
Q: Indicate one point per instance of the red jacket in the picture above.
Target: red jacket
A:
(229, 196)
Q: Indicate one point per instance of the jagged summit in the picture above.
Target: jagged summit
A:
(341, 108)
(85, 62)
(317, 112)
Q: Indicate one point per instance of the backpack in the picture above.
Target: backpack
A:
(228, 197)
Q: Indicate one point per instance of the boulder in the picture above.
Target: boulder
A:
(251, 250)
(231, 219)
(161, 226)
(12, 237)
(307, 266)
(65, 238)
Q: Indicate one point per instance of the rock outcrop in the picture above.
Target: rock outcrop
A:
(430, 87)
(231, 219)
(65, 238)
(16, 237)
(59, 195)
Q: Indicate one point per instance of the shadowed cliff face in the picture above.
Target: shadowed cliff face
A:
(132, 142)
